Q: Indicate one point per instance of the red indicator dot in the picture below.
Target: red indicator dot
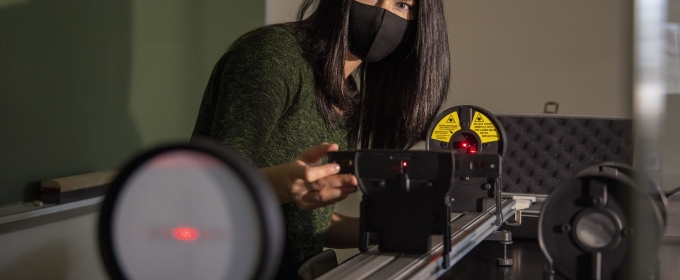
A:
(404, 164)
(465, 145)
(185, 233)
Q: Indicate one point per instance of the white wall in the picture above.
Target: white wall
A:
(62, 250)
(277, 11)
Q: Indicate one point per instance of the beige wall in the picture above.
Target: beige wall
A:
(277, 11)
(513, 56)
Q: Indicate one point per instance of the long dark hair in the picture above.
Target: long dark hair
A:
(398, 96)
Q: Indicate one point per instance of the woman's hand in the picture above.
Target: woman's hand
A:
(309, 184)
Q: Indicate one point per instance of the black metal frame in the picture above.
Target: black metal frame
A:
(406, 207)
(269, 215)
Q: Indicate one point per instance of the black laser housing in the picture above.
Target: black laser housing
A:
(407, 195)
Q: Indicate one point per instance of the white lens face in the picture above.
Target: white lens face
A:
(595, 230)
(185, 215)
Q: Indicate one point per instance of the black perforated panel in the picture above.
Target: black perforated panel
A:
(545, 151)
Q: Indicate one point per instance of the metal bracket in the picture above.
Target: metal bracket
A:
(515, 220)
(500, 236)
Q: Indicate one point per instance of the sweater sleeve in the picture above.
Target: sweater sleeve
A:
(249, 90)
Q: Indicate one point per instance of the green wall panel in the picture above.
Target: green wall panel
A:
(86, 84)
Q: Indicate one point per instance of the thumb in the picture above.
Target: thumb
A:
(315, 153)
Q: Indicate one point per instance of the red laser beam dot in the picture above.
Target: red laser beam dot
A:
(465, 145)
(473, 150)
(185, 233)
(404, 163)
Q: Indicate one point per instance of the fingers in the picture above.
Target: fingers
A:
(314, 154)
(337, 181)
(321, 179)
(301, 171)
(314, 173)
(314, 186)
(315, 199)
(324, 191)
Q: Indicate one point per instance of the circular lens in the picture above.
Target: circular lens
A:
(595, 230)
(186, 215)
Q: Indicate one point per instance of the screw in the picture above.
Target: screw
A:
(381, 183)
(596, 200)
(487, 186)
(428, 184)
(565, 228)
(505, 261)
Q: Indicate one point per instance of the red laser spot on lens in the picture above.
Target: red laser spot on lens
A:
(185, 233)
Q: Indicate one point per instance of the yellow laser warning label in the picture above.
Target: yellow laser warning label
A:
(484, 128)
(446, 127)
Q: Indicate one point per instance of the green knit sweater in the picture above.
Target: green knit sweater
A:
(260, 101)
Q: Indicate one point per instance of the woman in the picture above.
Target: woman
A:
(281, 90)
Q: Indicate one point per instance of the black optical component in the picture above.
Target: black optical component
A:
(407, 194)
(190, 211)
(602, 224)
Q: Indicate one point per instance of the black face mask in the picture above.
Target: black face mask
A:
(374, 32)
